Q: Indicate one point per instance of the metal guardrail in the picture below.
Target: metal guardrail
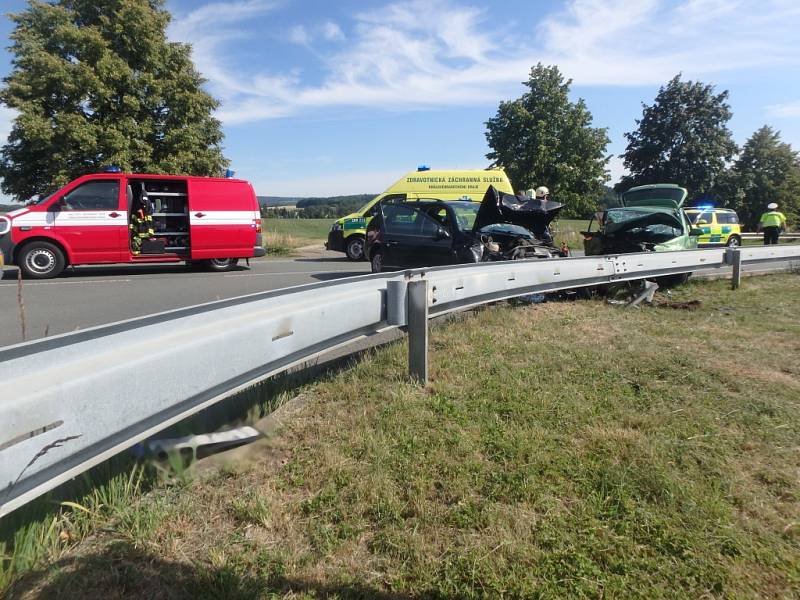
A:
(72, 401)
(758, 236)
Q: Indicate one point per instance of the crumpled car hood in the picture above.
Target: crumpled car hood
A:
(499, 207)
(635, 219)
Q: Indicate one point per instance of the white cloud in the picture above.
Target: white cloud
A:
(298, 35)
(787, 110)
(401, 56)
(332, 32)
(616, 169)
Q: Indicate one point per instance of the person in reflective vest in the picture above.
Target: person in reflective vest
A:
(771, 223)
(141, 229)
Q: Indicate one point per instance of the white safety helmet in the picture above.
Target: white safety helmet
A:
(542, 191)
(772, 206)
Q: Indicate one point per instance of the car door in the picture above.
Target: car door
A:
(91, 221)
(705, 222)
(412, 238)
(223, 218)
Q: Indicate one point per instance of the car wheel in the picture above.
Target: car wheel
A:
(41, 260)
(668, 281)
(222, 264)
(376, 262)
(355, 247)
(734, 241)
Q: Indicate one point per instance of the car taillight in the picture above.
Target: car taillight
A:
(257, 223)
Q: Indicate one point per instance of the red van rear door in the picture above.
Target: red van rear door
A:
(222, 217)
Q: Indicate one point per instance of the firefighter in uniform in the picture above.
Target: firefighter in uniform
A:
(772, 223)
(141, 229)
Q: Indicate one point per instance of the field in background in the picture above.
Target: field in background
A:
(282, 236)
(567, 230)
(561, 450)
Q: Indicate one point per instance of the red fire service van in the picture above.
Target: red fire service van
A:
(123, 218)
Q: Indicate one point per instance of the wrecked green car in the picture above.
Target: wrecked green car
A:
(650, 219)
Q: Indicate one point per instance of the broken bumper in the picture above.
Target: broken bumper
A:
(335, 241)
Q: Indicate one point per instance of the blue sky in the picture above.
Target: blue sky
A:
(323, 98)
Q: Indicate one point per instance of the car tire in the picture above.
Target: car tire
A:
(376, 261)
(220, 265)
(354, 248)
(41, 260)
(734, 241)
(669, 281)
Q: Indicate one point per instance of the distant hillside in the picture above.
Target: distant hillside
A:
(277, 200)
(305, 201)
(4, 208)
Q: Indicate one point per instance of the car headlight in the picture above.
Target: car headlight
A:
(336, 226)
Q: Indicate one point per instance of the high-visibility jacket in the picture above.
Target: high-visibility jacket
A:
(773, 218)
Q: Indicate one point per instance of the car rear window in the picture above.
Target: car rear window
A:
(727, 218)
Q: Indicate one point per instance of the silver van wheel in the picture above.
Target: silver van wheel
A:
(41, 260)
(355, 248)
(222, 264)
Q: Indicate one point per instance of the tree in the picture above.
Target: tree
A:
(682, 138)
(767, 170)
(543, 138)
(97, 83)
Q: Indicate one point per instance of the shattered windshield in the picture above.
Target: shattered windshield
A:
(656, 227)
(507, 229)
(465, 214)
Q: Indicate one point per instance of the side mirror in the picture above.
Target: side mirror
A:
(694, 231)
(702, 222)
(441, 234)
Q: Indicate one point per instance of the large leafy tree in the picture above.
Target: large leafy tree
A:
(543, 138)
(681, 138)
(767, 170)
(98, 83)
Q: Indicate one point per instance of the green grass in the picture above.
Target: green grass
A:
(282, 236)
(564, 450)
(568, 231)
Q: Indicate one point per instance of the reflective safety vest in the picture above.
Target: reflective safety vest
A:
(773, 218)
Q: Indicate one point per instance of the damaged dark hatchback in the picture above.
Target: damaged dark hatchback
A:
(425, 233)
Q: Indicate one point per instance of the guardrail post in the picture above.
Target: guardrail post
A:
(736, 261)
(417, 297)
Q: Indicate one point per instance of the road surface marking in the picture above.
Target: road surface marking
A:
(26, 283)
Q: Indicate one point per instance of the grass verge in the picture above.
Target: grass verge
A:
(561, 450)
(283, 236)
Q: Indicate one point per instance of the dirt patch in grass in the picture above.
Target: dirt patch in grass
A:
(560, 450)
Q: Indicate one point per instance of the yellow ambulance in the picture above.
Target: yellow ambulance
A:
(720, 226)
(348, 233)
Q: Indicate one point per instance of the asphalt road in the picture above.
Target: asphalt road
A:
(88, 296)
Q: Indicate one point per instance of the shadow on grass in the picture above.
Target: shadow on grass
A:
(124, 571)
